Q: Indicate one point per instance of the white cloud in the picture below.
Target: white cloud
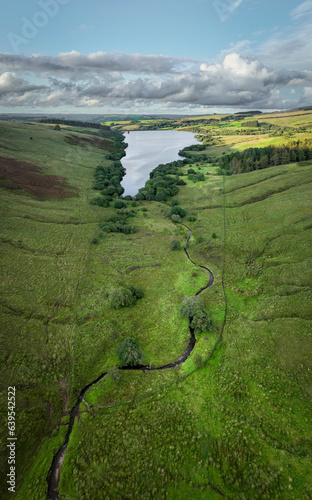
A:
(302, 10)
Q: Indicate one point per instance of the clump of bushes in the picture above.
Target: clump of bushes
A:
(177, 210)
(191, 218)
(119, 204)
(175, 245)
(125, 296)
(117, 224)
(129, 353)
(193, 309)
(102, 201)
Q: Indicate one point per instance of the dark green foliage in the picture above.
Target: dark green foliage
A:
(180, 182)
(100, 201)
(177, 210)
(250, 123)
(128, 197)
(119, 204)
(136, 291)
(214, 235)
(260, 158)
(94, 241)
(193, 309)
(174, 203)
(121, 297)
(57, 127)
(175, 245)
(191, 218)
(125, 296)
(129, 353)
(162, 184)
(191, 171)
(74, 123)
(118, 224)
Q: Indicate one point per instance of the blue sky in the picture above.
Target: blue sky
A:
(174, 56)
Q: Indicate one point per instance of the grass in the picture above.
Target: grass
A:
(235, 417)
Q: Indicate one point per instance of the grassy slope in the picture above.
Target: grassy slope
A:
(240, 422)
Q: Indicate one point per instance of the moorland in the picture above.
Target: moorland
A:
(84, 268)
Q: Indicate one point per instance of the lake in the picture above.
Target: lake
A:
(148, 149)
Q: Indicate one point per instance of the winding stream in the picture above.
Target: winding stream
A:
(54, 474)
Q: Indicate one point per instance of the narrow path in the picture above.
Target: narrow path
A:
(54, 474)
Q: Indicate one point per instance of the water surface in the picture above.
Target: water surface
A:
(148, 149)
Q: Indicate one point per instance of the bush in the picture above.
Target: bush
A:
(129, 353)
(121, 297)
(174, 203)
(94, 241)
(177, 210)
(191, 218)
(125, 296)
(100, 202)
(193, 309)
(176, 218)
(175, 245)
(120, 204)
(180, 182)
(114, 374)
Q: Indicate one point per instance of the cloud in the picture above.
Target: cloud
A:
(302, 10)
(10, 83)
(73, 64)
(101, 80)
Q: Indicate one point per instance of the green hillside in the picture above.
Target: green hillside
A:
(231, 421)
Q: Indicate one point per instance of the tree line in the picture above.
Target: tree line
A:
(269, 156)
(74, 123)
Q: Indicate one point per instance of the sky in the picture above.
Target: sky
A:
(155, 57)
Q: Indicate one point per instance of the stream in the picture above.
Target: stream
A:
(54, 474)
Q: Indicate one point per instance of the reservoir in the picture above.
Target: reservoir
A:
(148, 149)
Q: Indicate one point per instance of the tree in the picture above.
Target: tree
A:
(177, 210)
(121, 297)
(129, 353)
(125, 296)
(193, 309)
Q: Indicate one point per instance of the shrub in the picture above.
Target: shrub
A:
(177, 210)
(191, 218)
(180, 182)
(214, 236)
(120, 204)
(114, 374)
(191, 171)
(125, 296)
(101, 201)
(128, 197)
(121, 297)
(174, 203)
(175, 245)
(94, 241)
(176, 218)
(129, 353)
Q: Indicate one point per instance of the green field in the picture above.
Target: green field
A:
(234, 420)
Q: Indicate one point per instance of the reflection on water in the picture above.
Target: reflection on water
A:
(146, 150)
